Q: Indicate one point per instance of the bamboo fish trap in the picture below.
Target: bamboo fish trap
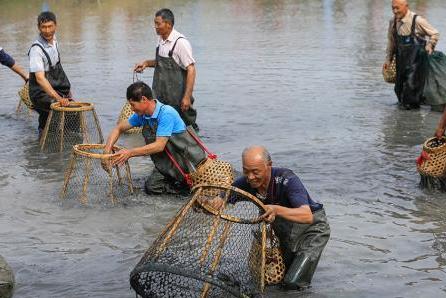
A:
(89, 176)
(125, 114)
(25, 105)
(389, 74)
(70, 125)
(432, 162)
(205, 250)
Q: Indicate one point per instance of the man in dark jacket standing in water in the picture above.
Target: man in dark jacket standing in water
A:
(174, 76)
(410, 38)
(298, 221)
(48, 82)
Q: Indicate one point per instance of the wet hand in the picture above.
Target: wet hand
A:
(64, 101)
(120, 157)
(439, 133)
(270, 214)
(429, 49)
(385, 66)
(139, 67)
(185, 104)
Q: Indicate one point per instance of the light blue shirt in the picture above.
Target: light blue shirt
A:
(37, 59)
(169, 121)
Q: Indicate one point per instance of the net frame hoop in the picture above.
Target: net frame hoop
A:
(166, 268)
(73, 106)
(228, 217)
(80, 149)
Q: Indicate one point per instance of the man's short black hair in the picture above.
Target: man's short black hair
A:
(137, 90)
(46, 16)
(166, 14)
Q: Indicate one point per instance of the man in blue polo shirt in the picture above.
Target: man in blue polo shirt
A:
(163, 131)
(298, 221)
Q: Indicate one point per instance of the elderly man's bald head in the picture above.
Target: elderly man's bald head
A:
(400, 8)
(256, 153)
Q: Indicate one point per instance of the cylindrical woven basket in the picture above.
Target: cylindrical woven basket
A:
(389, 74)
(69, 125)
(125, 114)
(213, 171)
(435, 166)
(25, 103)
(91, 176)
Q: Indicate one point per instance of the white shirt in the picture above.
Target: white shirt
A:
(182, 54)
(37, 59)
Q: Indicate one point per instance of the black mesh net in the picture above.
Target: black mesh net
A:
(213, 247)
(67, 126)
(90, 178)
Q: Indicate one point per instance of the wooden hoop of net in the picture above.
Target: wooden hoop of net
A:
(69, 125)
(435, 166)
(90, 173)
(389, 74)
(125, 114)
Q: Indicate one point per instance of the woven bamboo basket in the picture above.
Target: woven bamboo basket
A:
(435, 165)
(66, 126)
(125, 114)
(25, 104)
(213, 171)
(389, 74)
(205, 252)
(90, 176)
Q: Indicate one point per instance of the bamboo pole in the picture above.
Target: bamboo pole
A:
(45, 131)
(112, 197)
(98, 126)
(217, 257)
(84, 198)
(129, 177)
(84, 130)
(174, 227)
(68, 173)
(61, 130)
(263, 260)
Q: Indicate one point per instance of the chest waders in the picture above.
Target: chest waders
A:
(302, 246)
(411, 67)
(58, 80)
(184, 149)
(169, 85)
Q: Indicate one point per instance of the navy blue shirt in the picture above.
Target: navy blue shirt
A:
(5, 59)
(285, 189)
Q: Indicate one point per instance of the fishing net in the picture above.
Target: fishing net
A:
(90, 176)
(125, 114)
(206, 250)
(25, 106)
(70, 125)
(389, 74)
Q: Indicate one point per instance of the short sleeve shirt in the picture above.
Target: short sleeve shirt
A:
(169, 121)
(38, 60)
(285, 189)
(6, 59)
(182, 53)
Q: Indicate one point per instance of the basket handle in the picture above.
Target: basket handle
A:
(186, 176)
(201, 144)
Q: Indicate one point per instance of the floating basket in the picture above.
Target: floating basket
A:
(25, 104)
(433, 161)
(213, 171)
(90, 176)
(70, 125)
(205, 251)
(125, 114)
(389, 74)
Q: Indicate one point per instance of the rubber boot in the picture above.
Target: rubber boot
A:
(300, 273)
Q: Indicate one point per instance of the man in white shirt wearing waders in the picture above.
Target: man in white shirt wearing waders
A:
(48, 82)
(174, 75)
